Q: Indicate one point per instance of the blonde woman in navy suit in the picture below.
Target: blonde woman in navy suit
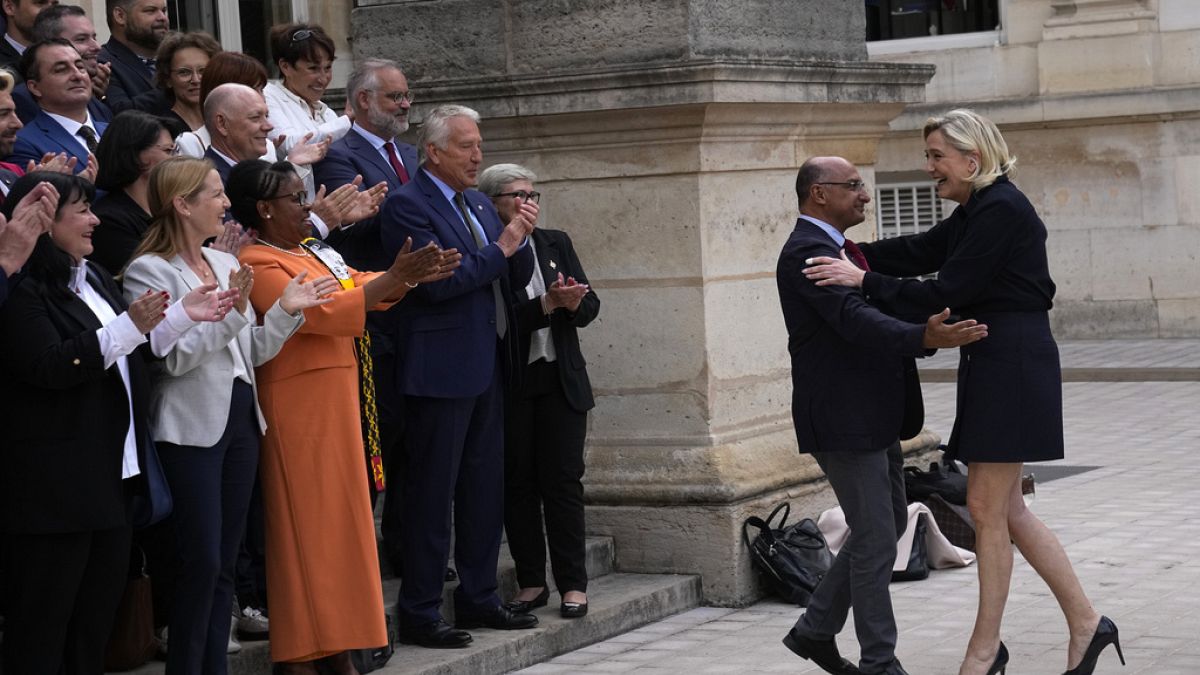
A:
(204, 408)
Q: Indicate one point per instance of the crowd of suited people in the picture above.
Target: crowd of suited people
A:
(233, 319)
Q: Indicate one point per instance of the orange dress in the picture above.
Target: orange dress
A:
(323, 583)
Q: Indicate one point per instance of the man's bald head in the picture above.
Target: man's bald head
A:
(236, 118)
(830, 189)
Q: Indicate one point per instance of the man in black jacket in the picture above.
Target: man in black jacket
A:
(137, 27)
(855, 394)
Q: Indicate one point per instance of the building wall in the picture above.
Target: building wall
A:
(1100, 101)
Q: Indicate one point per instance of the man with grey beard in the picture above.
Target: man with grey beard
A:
(377, 95)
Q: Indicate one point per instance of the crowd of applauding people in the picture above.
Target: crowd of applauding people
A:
(219, 293)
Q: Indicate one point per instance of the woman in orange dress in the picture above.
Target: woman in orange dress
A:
(322, 566)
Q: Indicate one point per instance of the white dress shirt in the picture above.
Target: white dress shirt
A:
(541, 343)
(295, 118)
(72, 127)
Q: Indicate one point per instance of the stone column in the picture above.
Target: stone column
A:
(666, 137)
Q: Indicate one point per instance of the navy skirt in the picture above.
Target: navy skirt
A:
(1009, 393)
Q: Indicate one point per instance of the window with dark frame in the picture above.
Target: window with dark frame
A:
(899, 19)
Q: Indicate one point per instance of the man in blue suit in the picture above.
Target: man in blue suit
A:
(59, 82)
(453, 350)
(855, 393)
(379, 96)
(72, 24)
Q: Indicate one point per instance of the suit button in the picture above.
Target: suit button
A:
(75, 362)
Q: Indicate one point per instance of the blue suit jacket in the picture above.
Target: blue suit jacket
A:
(27, 107)
(43, 135)
(854, 383)
(446, 338)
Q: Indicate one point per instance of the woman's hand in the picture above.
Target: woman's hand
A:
(233, 238)
(148, 310)
(566, 294)
(206, 303)
(299, 295)
(828, 271)
(54, 163)
(242, 280)
(428, 263)
(306, 152)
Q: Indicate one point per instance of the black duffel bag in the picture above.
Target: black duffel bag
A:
(942, 479)
(793, 559)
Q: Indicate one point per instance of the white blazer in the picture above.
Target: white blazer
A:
(189, 404)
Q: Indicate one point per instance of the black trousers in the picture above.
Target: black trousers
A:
(61, 593)
(543, 472)
(211, 487)
(870, 489)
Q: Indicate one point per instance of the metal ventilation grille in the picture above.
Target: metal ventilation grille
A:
(907, 208)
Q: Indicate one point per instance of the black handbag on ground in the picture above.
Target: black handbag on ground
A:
(374, 658)
(942, 479)
(793, 559)
(918, 556)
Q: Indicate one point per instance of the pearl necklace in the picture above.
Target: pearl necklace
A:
(303, 251)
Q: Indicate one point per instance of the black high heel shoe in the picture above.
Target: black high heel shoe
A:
(527, 606)
(1000, 663)
(1105, 635)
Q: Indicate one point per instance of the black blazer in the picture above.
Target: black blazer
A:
(66, 415)
(10, 59)
(556, 255)
(122, 225)
(854, 382)
(130, 77)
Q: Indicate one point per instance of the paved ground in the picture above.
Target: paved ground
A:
(1131, 526)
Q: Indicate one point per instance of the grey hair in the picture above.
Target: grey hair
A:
(219, 100)
(495, 178)
(436, 129)
(365, 77)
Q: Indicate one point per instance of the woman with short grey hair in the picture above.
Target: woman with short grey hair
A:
(546, 420)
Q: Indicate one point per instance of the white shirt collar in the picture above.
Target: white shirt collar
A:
(72, 127)
(15, 45)
(315, 111)
(222, 155)
(838, 237)
(78, 277)
(375, 141)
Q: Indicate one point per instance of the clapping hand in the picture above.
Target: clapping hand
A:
(206, 303)
(426, 264)
(565, 294)
(299, 295)
(307, 152)
(241, 280)
(53, 162)
(233, 238)
(148, 310)
(31, 218)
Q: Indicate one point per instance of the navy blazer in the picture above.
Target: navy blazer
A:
(27, 107)
(854, 382)
(556, 255)
(43, 134)
(222, 165)
(66, 415)
(130, 77)
(349, 156)
(446, 337)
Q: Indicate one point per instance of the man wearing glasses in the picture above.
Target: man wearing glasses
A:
(377, 94)
(855, 393)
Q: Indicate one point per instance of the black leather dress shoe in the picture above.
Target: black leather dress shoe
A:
(436, 635)
(894, 668)
(497, 617)
(824, 653)
(527, 606)
(573, 610)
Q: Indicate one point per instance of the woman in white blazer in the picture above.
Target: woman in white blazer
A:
(204, 410)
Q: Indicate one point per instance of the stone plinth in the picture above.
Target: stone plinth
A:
(666, 144)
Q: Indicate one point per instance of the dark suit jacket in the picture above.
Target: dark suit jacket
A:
(27, 107)
(130, 77)
(854, 381)
(446, 338)
(43, 134)
(348, 157)
(555, 256)
(122, 225)
(66, 416)
(9, 58)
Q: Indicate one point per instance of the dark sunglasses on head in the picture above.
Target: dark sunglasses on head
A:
(301, 35)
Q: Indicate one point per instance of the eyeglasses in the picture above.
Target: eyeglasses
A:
(300, 197)
(852, 185)
(522, 195)
(301, 35)
(188, 73)
(396, 96)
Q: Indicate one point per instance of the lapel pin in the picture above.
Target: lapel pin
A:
(553, 265)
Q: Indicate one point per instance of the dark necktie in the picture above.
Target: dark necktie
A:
(397, 165)
(460, 200)
(89, 138)
(856, 255)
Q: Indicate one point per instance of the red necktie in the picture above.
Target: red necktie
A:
(397, 166)
(856, 255)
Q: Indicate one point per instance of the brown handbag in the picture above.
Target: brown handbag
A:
(131, 642)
